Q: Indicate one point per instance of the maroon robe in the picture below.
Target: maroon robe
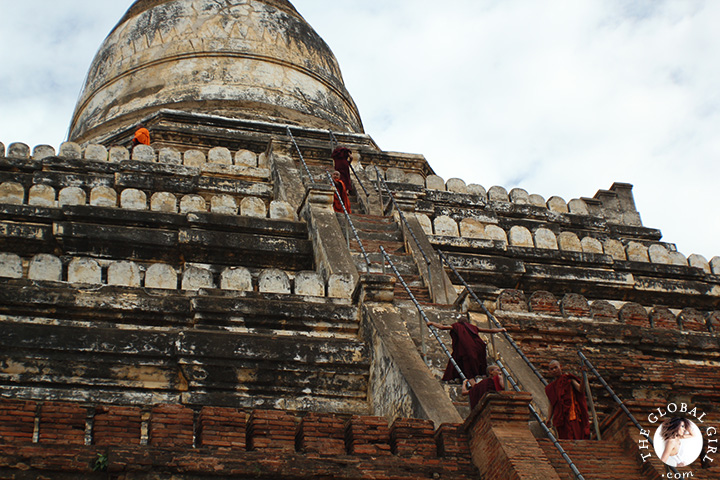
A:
(570, 413)
(484, 386)
(340, 156)
(468, 352)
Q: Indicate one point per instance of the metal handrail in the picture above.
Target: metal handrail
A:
(542, 423)
(350, 222)
(307, 170)
(494, 319)
(420, 310)
(625, 410)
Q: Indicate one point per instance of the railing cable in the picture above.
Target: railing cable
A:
(307, 170)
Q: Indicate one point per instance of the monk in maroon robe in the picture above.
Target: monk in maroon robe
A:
(468, 349)
(568, 406)
(342, 157)
(493, 383)
(342, 190)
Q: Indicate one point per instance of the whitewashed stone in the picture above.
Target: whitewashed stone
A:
(192, 203)
(273, 280)
(472, 228)
(225, 204)
(415, 179)
(103, 196)
(84, 270)
(10, 265)
(395, 175)
(519, 196)
(133, 199)
(125, 274)
(557, 204)
(537, 200)
(253, 207)
(545, 238)
(70, 150)
(498, 194)
(433, 182)
(341, 286)
(12, 193)
(160, 275)
(170, 156)
(280, 210)
(677, 258)
(715, 265)
(2, 149)
(578, 207)
(520, 237)
(163, 202)
(236, 278)
(220, 155)
(658, 254)
(456, 185)
(445, 225)
(373, 172)
(41, 196)
(18, 150)
(310, 284)
(475, 189)
(43, 151)
(263, 161)
(698, 261)
(118, 154)
(493, 232)
(615, 249)
(425, 223)
(195, 278)
(637, 252)
(45, 267)
(246, 158)
(143, 153)
(194, 158)
(569, 242)
(96, 152)
(591, 245)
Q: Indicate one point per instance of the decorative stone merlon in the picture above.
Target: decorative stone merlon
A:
(375, 288)
(18, 150)
(43, 151)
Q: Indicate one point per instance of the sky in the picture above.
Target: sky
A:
(560, 98)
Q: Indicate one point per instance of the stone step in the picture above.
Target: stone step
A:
(595, 460)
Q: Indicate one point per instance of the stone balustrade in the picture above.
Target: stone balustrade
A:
(188, 277)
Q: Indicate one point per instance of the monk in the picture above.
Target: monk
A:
(342, 157)
(342, 190)
(142, 136)
(469, 350)
(477, 389)
(568, 406)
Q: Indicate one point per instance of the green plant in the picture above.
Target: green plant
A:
(101, 464)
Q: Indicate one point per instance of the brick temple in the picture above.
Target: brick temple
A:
(196, 309)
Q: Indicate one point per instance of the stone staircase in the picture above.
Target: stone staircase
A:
(595, 460)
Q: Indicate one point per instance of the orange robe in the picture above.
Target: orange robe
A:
(340, 186)
(570, 413)
(142, 136)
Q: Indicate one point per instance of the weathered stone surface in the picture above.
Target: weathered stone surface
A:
(124, 274)
(415, 179)
(10, 265)
(96, 152)
(659, 254)
(280, 210)
(603, 311)
(425, 223)
(569, 242)
(70, 150)
(195, 278)
(224, 204)
(340, 286)
(263, 161)
(578, 207)
(660, 317)
(220, 155)
(169, 156)
(194, 158)
(43, 151)
(699, 261)
(133, 199)
(715, 265)
(445, 225)
(537, 200)
(545, 238)
(192, 203)
(41, 196)
(637, 252)
(498, 194)
(692, 320)
(395, 175)
(544, 302)
(18, 150)
(472, 228)
(614, 248)
(45, 267)
(520, 237)
(456, 185)
(593, 245)
(103, 197)
(557, 204)
(84, 270)
(236, 278)
(634, 314)
(434, 182)
(253, 207)
(12, 193)
(143, 153)
(273, 280)
(493, 232)
(519, 196)
(246, 158)
(677, 258)
(2, 149)
(310, 284)
(160, 275)
(574, 305)
(475, 189)
(512, 301)
(118, 154)
(163, 202)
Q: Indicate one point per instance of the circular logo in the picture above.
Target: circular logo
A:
(678, 441)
